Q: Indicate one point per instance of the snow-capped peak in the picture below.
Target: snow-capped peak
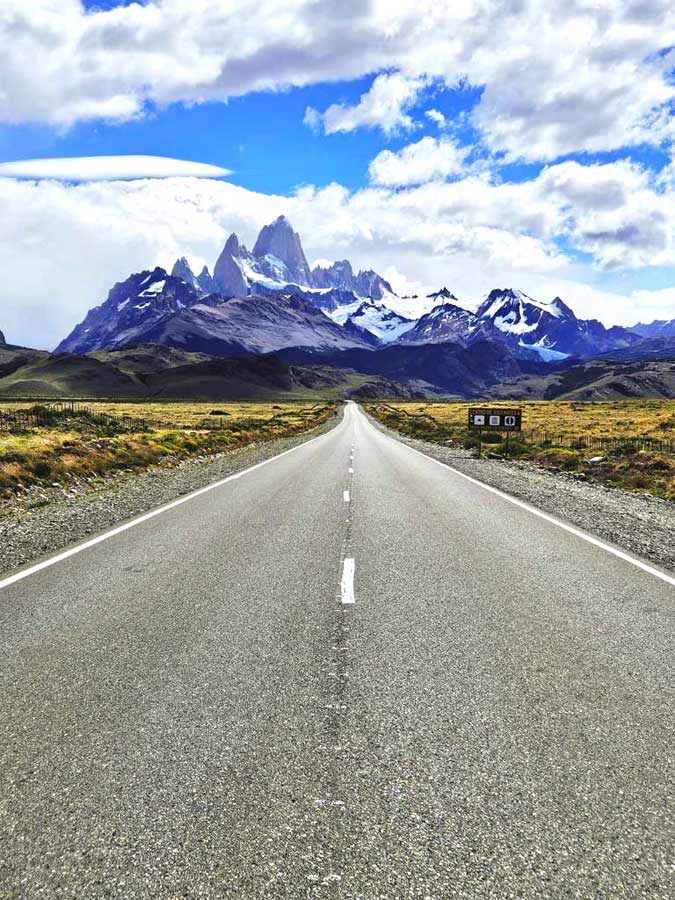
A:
(375, 317)
(514, 312)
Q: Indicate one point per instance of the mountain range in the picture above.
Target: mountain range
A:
(269, 300)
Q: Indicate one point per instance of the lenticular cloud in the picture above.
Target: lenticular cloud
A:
(109, 168)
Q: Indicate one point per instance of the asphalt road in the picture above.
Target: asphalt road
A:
(188, 709)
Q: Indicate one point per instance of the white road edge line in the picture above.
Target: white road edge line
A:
(72, 551)
(347, 584)
(634, 561)
(345, 496)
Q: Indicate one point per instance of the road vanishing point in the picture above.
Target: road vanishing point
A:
(349, 671)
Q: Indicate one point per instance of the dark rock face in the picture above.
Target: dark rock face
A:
(448, 322)
(443, 296)
(279, 241)
(341, 277)
(370, 284)
(205, 281)
(244, 325)
(181, 269)
(549, 326)
(659, 328)
(156, 308)
(202, 282)
(137, 302)
(228, 274)
(3, 342)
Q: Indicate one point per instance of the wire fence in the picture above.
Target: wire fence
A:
(592, 442)
(50, 413)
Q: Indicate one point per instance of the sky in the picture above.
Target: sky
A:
(465, 143)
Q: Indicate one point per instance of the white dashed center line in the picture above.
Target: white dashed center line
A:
(347, 585)
(351, 471)
(345, 495)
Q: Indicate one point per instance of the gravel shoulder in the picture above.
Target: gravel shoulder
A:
(42, 521)
(639, 523)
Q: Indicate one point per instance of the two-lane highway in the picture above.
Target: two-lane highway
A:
(350, 672)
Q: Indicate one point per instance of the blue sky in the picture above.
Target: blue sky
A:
(434, 142)
(247, 133)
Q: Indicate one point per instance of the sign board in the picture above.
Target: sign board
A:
(495, 419)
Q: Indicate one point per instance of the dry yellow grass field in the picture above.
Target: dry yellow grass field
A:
(185, 415)
(555, 435)
(86, 444)
(616, 419)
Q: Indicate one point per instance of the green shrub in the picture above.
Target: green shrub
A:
(42, 468)
(492, 437)
(558, 456)
(515, 448)
(626, 449)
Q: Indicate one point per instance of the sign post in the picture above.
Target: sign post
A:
(507, 420)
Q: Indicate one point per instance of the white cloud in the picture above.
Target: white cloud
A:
(614, 212)
(658, 304)
(436, 116)
(580, 77)
(383, 106)
(62, 246)
(429, 159)
(557, 75)
(109, 168)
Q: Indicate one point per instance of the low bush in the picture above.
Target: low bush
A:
(41, 468)
(514, 448)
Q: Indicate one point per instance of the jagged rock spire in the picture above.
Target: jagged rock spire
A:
(228, 276)
(281, 241)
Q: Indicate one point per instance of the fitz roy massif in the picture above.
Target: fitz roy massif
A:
(268, 299)
(264, 319)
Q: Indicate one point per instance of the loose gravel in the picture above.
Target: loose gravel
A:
(43, 520)
(639, 523)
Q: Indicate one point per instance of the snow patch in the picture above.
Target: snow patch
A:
(374, 317)
(546, 353)
(155, 288)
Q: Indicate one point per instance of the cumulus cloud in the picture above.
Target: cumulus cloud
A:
(436, 116)
(383, 106)
(557, 77)
(429, 159)
(109, 168)
(614, 212)
(63, 245)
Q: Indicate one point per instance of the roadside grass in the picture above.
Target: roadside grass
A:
(549, 430)
(82, 446)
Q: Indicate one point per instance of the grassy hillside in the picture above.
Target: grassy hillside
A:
(560, 435)
(164, 373)
(598, 379)
(74, 448)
